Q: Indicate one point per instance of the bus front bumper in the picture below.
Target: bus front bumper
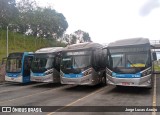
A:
(47, 78)
(18, 79)
(85, 80)
(145, 81)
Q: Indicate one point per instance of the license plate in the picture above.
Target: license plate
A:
(12, 78)
(38, 80)
(125, 83)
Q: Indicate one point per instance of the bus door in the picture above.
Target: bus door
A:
(26, 68)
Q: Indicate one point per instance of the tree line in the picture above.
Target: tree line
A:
(26, 17)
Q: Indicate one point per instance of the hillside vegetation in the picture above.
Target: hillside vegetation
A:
(20, 43)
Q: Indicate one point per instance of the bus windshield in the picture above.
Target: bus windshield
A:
(135, 61)
(74, 63)
(14, 65)
(42, 63)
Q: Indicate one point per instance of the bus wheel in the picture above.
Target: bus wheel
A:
(119, 86)
(103, 81)
(152, 84)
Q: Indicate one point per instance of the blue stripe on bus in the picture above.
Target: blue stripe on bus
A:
(117, 75)
(38, 74)
(13, 74)
(73, 75)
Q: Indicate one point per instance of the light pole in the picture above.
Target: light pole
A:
(7, 41)
(7, 37)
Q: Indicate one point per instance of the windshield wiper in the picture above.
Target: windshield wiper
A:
(131, 63)
(120, 60)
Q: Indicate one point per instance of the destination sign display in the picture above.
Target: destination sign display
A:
(129, 49)
(79, 53)
(15, 55)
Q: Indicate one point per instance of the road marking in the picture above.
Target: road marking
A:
(154, 96)
(22, 87)
(68, 86)
(97, 91)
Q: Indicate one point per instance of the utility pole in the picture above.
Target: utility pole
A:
(7, 41)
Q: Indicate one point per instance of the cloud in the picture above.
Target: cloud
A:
(149, 6)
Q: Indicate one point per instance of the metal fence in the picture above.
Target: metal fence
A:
(154, 42)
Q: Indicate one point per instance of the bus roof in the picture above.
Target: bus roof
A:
(20, 53)
(16, 53)
(49, 50)
(81, 46)
(130, 42)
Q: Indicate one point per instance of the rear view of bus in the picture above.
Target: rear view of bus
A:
(82, 64)
(18, 67)
(132, 63)
(45, 66)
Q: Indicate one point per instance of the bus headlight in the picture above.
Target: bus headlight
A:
(32, 73)
(87, 72)
(147, 72)
(19, 75)
(48, 72)
(109, 72)
(149, 81)
(61, 74)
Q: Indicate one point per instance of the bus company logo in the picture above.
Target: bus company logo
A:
(6, 109)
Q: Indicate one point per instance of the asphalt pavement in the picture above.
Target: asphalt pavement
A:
(90, 100)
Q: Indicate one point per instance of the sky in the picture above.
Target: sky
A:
(110, 20)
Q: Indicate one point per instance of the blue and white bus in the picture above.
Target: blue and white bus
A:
(18, 67)
(83, 64)
(45, 66)
(132, 62)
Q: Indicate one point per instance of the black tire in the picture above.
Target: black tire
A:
(152, 83)
(103, 80)
(119, 86)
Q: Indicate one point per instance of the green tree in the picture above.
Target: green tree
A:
(50, 23)
(82, 36)
(8, 12)
(86, 37)
(26, 9)
(44, 22)
(73, 40)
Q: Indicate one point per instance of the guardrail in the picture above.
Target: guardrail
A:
(154, 42)
(2, 73)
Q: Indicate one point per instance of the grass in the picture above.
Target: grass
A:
(20, 43)
(157, 68)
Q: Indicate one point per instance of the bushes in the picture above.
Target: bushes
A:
(20, 43)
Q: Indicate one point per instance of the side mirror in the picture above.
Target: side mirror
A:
(154, 56)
